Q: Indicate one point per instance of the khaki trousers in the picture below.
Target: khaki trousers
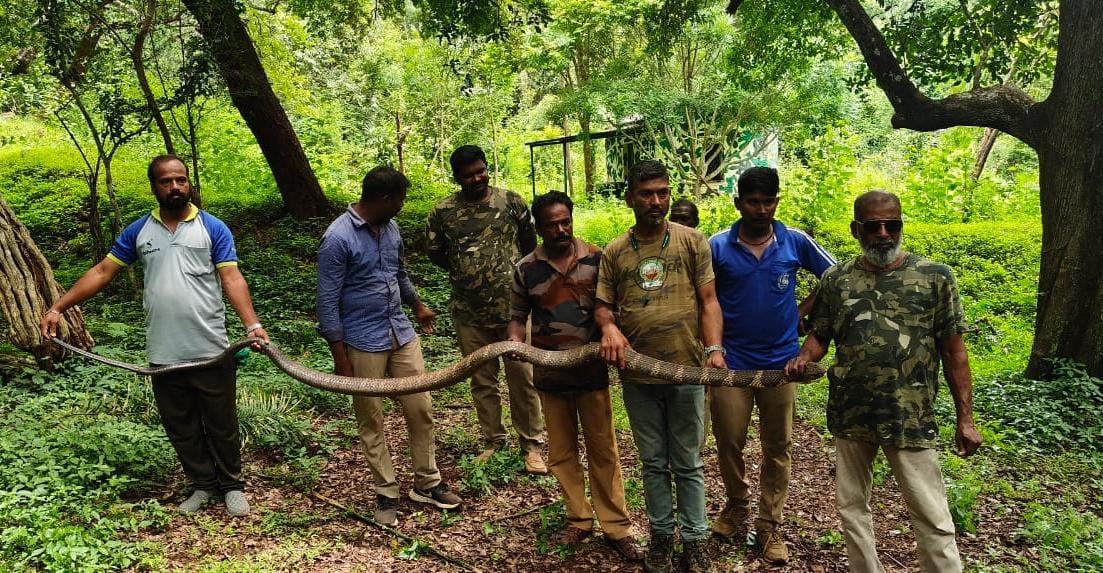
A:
(524, 404)
(916, 471)
(563, 413)
(417, 409)
(731, 416)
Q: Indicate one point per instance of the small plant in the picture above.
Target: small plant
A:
(831, 539)
(503, 467)
(962, 496)
(413, 551)
(553, 519)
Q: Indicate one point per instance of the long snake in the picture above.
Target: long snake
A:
(562, 359)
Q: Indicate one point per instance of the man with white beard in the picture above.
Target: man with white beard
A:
(893, 316)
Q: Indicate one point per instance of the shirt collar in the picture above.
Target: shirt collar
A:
(193, 212)
(541, 254)
(780, 232)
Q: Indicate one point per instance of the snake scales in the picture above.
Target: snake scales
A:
(635, 362)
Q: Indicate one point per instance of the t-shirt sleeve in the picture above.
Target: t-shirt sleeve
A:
(223, 252)
(949, 319)
(606, 278)
(702, 265)
(434, 233)
(519, 306)
(521, 214)
(125, 249)
(813, 257)
(821, 318)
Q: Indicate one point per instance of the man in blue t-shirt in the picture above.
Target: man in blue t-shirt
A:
(190, 262)
(756, 264)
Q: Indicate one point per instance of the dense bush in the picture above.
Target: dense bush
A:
(1056, 414)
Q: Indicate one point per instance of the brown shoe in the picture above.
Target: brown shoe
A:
(627, 547)
(534, 464)
(772, 545)
(573, 536)
(732, 521)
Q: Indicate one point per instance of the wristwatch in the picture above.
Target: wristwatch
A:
(715, 348)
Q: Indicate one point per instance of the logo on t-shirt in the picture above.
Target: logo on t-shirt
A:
(782, 281)
(651, 273)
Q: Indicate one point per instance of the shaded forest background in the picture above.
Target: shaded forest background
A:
(281, 107)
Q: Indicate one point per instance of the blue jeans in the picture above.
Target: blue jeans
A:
(668, 426)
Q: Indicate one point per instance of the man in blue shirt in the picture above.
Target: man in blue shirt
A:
(756, 264)
(362, 284)
(190, 262)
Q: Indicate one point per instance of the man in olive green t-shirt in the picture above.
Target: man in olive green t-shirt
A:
(658, 277)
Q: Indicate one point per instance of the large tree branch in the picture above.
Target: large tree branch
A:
(1004, 107)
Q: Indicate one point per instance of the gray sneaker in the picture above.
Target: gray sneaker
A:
(198, 499)
(236, 504)
(386, 510)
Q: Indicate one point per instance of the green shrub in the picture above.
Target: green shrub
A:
(1059, 413)
(1067, 539)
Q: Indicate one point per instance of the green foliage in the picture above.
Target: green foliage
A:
(553, 518)
(505, 466)
(962, 496)
(1068, 539)
(64, 462)
(1059, 413)
(831, 539)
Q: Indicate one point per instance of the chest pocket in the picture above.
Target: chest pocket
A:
(194, 261)
(782, 276)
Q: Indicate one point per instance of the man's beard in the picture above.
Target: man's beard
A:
(882, 254)
(174, 202)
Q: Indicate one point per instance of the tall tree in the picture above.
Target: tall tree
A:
(222, 28)
(1063, 128)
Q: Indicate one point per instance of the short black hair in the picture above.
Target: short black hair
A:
(547, 200)
(382, 181)
(646, 170)
(465, 155)
(874, 196)
(683, 202)
(758, 180)
(153, 163)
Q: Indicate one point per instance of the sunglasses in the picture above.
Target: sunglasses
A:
(872, 226)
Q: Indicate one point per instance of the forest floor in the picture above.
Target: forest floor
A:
(514, 527)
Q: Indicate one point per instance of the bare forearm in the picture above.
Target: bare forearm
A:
(712, 324)
(237, 291)
(960, 379)
(813, 349)
(516, 330)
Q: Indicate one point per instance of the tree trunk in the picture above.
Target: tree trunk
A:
(587, 153)
(987, 141)
(225, 34)
(137, 54)
(400, 141)
(28, 288)
(1069, 322)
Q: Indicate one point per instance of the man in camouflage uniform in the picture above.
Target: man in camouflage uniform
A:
(555, 284)
(477, 235)
(893, 316)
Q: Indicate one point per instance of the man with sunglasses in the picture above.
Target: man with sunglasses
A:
(756, 263)
(893, 316)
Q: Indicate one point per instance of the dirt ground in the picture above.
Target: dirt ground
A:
(292, 531)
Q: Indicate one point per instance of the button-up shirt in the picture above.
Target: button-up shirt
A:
(362, 284)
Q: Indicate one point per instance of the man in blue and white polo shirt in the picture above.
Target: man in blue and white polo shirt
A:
(756, 264)
(189, 262)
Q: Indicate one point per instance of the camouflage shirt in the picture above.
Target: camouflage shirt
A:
(654, 289)
(480, 241)
(561, 303)
(885, 325)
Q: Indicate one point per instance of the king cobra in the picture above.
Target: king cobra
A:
(634, 362)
